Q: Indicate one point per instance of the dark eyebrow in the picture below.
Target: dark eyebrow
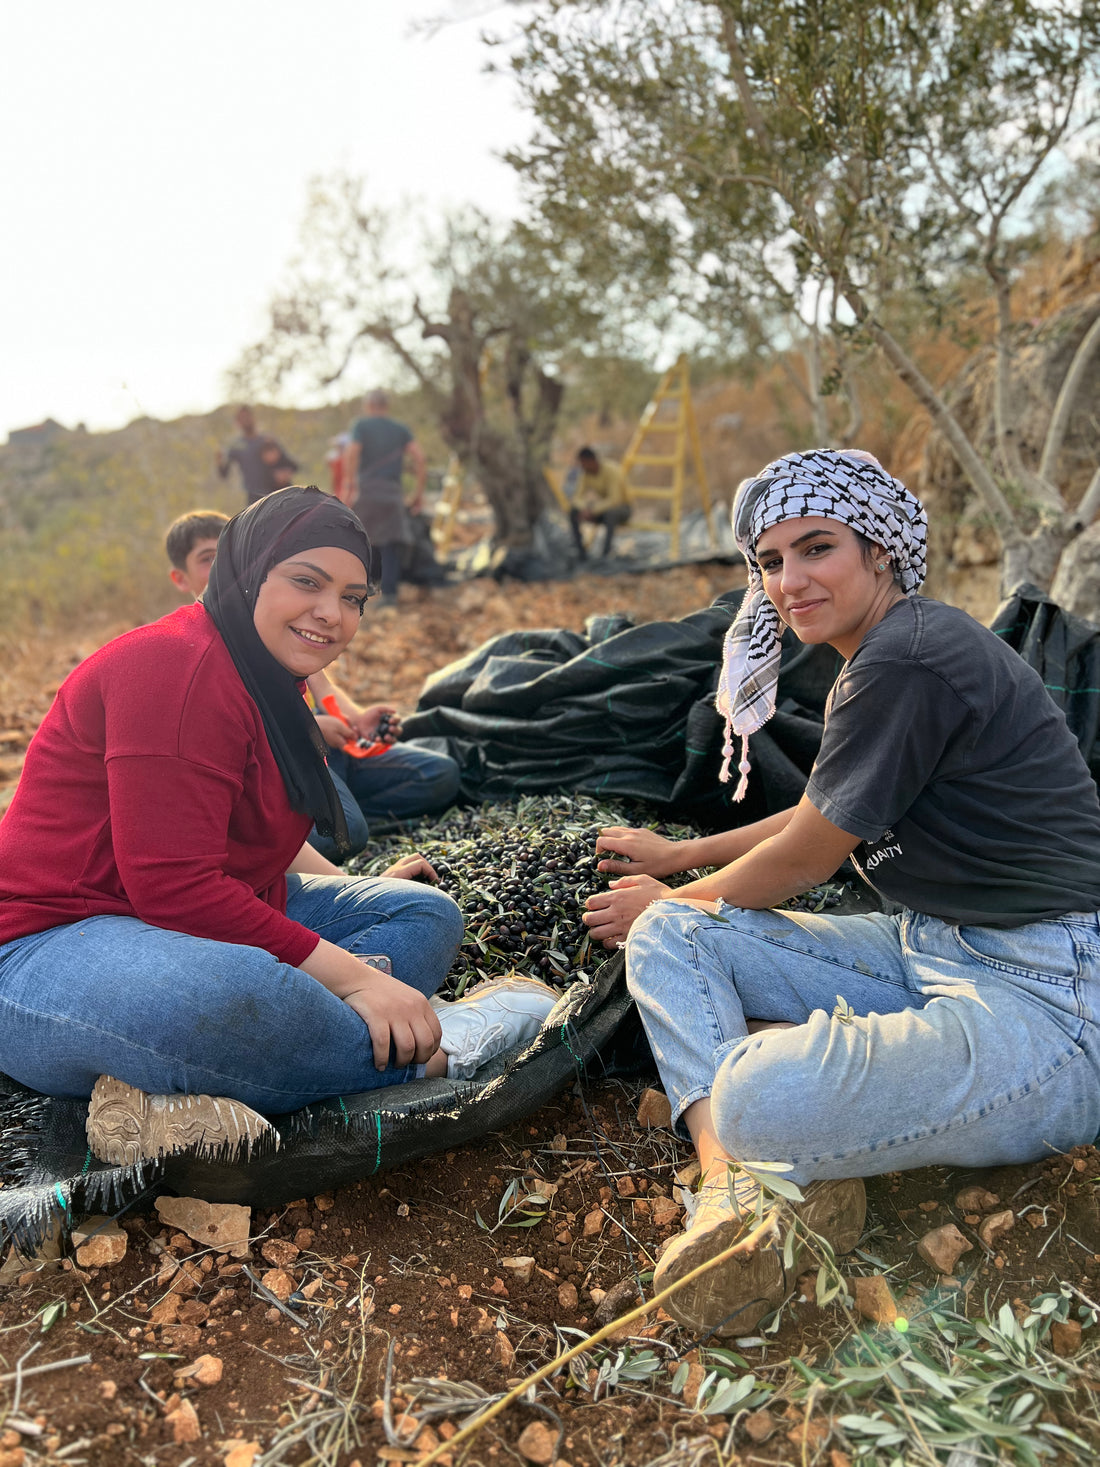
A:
(324, 575)
(809, 535)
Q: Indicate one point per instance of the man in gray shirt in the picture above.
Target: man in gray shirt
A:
(264, 463)
(373, 464)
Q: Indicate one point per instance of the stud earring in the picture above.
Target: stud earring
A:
(883, 566)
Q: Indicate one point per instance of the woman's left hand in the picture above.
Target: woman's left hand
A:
(412, 868)
(610, 914)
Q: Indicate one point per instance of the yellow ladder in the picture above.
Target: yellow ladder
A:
(446, 509)
(674, 388)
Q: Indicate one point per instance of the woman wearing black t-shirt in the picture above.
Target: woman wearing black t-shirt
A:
(963, 1029)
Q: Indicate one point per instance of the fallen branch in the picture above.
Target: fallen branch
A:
(41, 1369)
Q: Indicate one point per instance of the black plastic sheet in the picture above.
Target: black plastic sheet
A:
(625, 711)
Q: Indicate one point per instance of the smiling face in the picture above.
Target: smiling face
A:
(308, 609)
(823, 582)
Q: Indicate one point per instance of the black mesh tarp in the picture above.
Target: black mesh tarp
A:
(593, 1031)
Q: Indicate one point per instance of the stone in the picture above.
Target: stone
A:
(242, 1454)
(996, 1226)
(873, 1298)
(280, 1252)
(759, 1426)
(304, 1237)
(100, 1243)
(654, 1110)
(504, 1352)
(665, 1212)
(976, 1199)
(193, 1311)
(522, 1268)
(12, 1457)
(166, 1312)
(567, 1297)
(1065, 1336)
(184, 1421)
(206, 1370)
(593, 1222)
(278, 1282)
(626, 1187)
(181, 1337)
(223, 1226)
(538, 1443)
(619, 1299)
(942, 1248)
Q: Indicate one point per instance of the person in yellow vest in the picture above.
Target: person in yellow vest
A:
(601, 499)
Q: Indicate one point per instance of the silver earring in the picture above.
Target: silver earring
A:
(883, 566)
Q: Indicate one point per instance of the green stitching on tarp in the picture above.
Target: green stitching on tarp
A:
(87, 1163)
(344, 1111)
(378, 1153)
(565, 1040)
(61, 1196)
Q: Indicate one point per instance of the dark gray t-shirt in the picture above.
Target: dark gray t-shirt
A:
(945, 754)
(382, 443)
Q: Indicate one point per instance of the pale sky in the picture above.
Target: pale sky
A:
(153, 170)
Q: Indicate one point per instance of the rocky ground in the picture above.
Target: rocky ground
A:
(369, 1325)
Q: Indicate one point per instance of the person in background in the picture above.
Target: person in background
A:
(399, 784)
(171, 949)
(960, 1029)
(602, 500)
(373, 464)
(264, 463)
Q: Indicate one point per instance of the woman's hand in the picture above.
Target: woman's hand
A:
(333, 731)
(649, 854)
(396, 1016)
(610, 914)
(412, 868)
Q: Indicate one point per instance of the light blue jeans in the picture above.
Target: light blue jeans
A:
(966, 1046)
(172, 1013)
(400, 784)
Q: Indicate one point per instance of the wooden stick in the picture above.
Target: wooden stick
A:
(41, 1369)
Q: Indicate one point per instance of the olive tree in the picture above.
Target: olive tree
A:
(472, 312)
(834, 157)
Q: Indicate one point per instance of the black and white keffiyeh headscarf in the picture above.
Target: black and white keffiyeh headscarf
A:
(850, 487)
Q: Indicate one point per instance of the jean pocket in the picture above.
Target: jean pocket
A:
(1042, 950)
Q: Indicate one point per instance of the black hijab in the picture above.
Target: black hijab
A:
(271, 530)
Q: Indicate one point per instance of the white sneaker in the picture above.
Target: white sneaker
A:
(491, 1018)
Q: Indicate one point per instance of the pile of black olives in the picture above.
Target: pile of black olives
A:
(521, 874)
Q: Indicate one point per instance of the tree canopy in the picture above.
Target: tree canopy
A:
(822, 157)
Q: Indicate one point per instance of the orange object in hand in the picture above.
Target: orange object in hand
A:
(357, 748)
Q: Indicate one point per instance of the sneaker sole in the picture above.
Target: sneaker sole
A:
(124, 1126)
(732, 1298)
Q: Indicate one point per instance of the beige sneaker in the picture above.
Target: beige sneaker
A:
(733, 1298)
(125, 1125)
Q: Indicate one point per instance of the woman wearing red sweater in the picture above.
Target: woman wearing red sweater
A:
(169, 943)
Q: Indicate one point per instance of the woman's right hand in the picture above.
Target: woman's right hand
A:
(334, 732)
(396, 1015)
(649, 854)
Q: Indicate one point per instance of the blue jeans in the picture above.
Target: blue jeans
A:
(172, 1013)
(966, 1046)
(404, 782)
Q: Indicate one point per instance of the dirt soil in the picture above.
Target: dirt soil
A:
(364, 1326)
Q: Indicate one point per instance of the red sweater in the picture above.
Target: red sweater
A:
(150, 791)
